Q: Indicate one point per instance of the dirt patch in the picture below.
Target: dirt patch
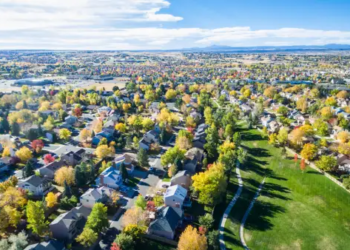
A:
(326, 243)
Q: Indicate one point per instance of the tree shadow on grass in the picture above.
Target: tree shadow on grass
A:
(260, 215)
(257, 152)
(231, 239)
(248, 136)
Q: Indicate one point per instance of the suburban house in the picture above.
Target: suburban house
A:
(94, 195)
(166, 222)
(73, 158)
(175, 196)
(128, 160)
(182, 178)
(106, 110)
(71, 120)
(194, 156)
(98, 137)
(343, 163)
(48, 245)
(149, 138)
(109, 178)
(50, 169)
(36, 185)
(246, 109)
(70, 224)
(265, 120)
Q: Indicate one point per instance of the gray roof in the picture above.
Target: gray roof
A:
(50, 245)
(34, 180)
(168, 220)
(180, 174)
(71, 216)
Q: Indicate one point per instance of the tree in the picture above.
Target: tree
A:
(24, 154)
(212, 142)
(184, 139)
(15, 128)
(37, 145)
(321, 127)
(125, 241)
(170, 94)
(64, 174)
(147, 124)
(64, 134)
(302, 104)
(48, 158)
(103, 151)
(326, 163)
(172, 170)
(342, 94)
(270, 92)
(85, 134)
(49, 124)
(213, 239)
(77, 112)
(171, 155)
(326, 113)
(19, 242)
(4, 126)
(142, 158)
(206, 221)
(98, 218)
(67, 192)
(36, 217)
(134, 216)
(190, 239)
(141, 202)
(273, 139)
(51, 200)
(309, 151)
(12, 197)
(331, 101)
(282, 136)
(121, 127)
(88, 237)
(283, 110)
(123, 171)
(210, 184)
(28, 170)
(296, 136)
(344, 149)
(343, 136)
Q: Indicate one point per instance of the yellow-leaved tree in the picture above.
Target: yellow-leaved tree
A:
(24, 154)
(51, 200)
(104, 151)
(64, 174)
(190, 239)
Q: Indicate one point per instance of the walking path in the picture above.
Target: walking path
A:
(241, 230)
(229, 208)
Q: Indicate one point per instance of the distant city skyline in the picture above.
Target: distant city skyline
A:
(170, 24)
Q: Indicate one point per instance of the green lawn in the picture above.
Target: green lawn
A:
(295, 210)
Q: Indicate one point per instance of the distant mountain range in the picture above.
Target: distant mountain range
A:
(219, 48)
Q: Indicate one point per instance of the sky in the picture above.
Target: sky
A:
(170, 24)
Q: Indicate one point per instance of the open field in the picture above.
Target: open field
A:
(296, 210)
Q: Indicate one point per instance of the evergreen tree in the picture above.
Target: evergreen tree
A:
(128, 142)
(4, 126)
(28, 170)
(25, 106)
(123, 171)
(79, 176)
(142, 158)
(40, 130)
(178, 164)
(162, 136)
(67, 192)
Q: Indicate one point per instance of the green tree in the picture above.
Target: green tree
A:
(125, 241)
(213, 240)
(36, 217)
(88, 237)
(282, 136)
(67, 192)
(15, 129)
(206, 221)
(123, 171)
(326, 163)
(212, 142)
(28, 170)
(141, 202)
(142, 158)
(98, 220)
(171, 155)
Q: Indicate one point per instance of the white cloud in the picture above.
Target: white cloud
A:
(100, 24)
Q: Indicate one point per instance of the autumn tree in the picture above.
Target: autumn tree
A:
(270, 92)
(36, 217)
(51, 200)
(104, 151)
(210, 184)
(342, 94)
(64, 174)
(147, 124)
(170, 94)
(141, 202)
(326, 113)
(184, 140)
(344, 149)
(134, 216)
(77, 112)
(37, 145)
(282, 136)
(48, 158)
(331, 101)
(85, 134)
(309, 151)
(302, 104)
(190, 239)
(64, 134)
(121, 127)
(343, 136)
(24, 154)
(296, 136)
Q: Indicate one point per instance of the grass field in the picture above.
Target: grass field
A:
(296, 210)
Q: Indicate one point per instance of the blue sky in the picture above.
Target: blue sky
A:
(170, 24)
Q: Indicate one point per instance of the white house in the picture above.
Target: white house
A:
(109, 178)
(94, 195)
(175, 196)
(36, 185)
(104, 109)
